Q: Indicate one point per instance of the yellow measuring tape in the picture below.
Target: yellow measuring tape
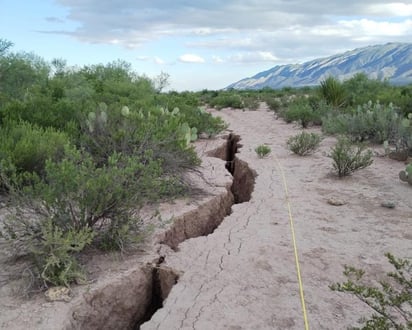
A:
(292, 228)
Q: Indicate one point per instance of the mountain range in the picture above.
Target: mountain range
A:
(392, 61)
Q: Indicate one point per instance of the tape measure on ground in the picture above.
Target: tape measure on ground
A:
(295, 249)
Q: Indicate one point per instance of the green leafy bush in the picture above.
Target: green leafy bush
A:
(300, 111)
(372, 121)
(25, 148)
(304, 143)
(227, 100)
(403, 135)
(274, 104)
(52, 249)
(360, 90)
(77, 202)
(390, 302)
(54, 254)
(348, 158)
(262, 150)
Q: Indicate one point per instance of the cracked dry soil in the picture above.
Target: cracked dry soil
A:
(220, 265)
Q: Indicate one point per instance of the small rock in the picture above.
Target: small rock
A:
(388, 204)
(336, 201)
(204, 135)
(58, 293)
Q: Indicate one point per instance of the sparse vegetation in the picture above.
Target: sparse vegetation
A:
(348, 157)
(262, 150)
(300, 111)
(304, 143)
(390, 302)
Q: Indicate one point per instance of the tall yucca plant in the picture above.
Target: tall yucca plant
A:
(333, 92)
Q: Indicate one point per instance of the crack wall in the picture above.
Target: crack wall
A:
(243, 176)
(163, 279)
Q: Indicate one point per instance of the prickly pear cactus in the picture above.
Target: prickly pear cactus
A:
(98, 119)
(406, 175)
(189, 133)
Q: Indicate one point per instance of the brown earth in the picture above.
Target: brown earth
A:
(240, 273)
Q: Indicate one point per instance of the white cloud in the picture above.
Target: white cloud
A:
(143, 58)
(217, 59)
(155, 59)
(253, 57)
(191, 58)
(397, 9)
(366, 27)
(158, 60)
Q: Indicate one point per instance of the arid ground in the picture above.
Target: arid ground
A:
(224, 266)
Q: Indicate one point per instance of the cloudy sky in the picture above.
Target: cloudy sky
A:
(201, 44)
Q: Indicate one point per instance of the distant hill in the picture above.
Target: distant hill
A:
(392, 61)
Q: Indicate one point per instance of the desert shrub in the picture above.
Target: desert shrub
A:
(405, 101)
(133, 132)
(250, 101)
(300, 111)
(227, 100)
(52, 250)
(203, 121)
(333, 92)
(391, 301)
(403, 135)
(77, 194)
(372, 121)
(304, 143)
(348, 157)
(360, 89)
(54, 254)
(274, 104)
(262, 150)
(76, 203)
(25, 148)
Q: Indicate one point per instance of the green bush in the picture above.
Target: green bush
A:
(78, 194)
(373, 122)
(262, 150)
(25, 148)
(390, 302)
(403, 135)
(52, 250)
(300, 111)
(54, 254)
(78, 202)
(227, 100)
(274, 104)
(360, 90)
(348, 158)
(304, 143)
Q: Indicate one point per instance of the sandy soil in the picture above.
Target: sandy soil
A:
(243, 274)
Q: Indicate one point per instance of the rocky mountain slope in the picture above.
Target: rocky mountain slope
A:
(391, 61)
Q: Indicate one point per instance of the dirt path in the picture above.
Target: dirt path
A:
(243, 275)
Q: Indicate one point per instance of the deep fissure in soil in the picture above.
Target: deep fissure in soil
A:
(242, 187)
(163, 279)
(243, 176)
